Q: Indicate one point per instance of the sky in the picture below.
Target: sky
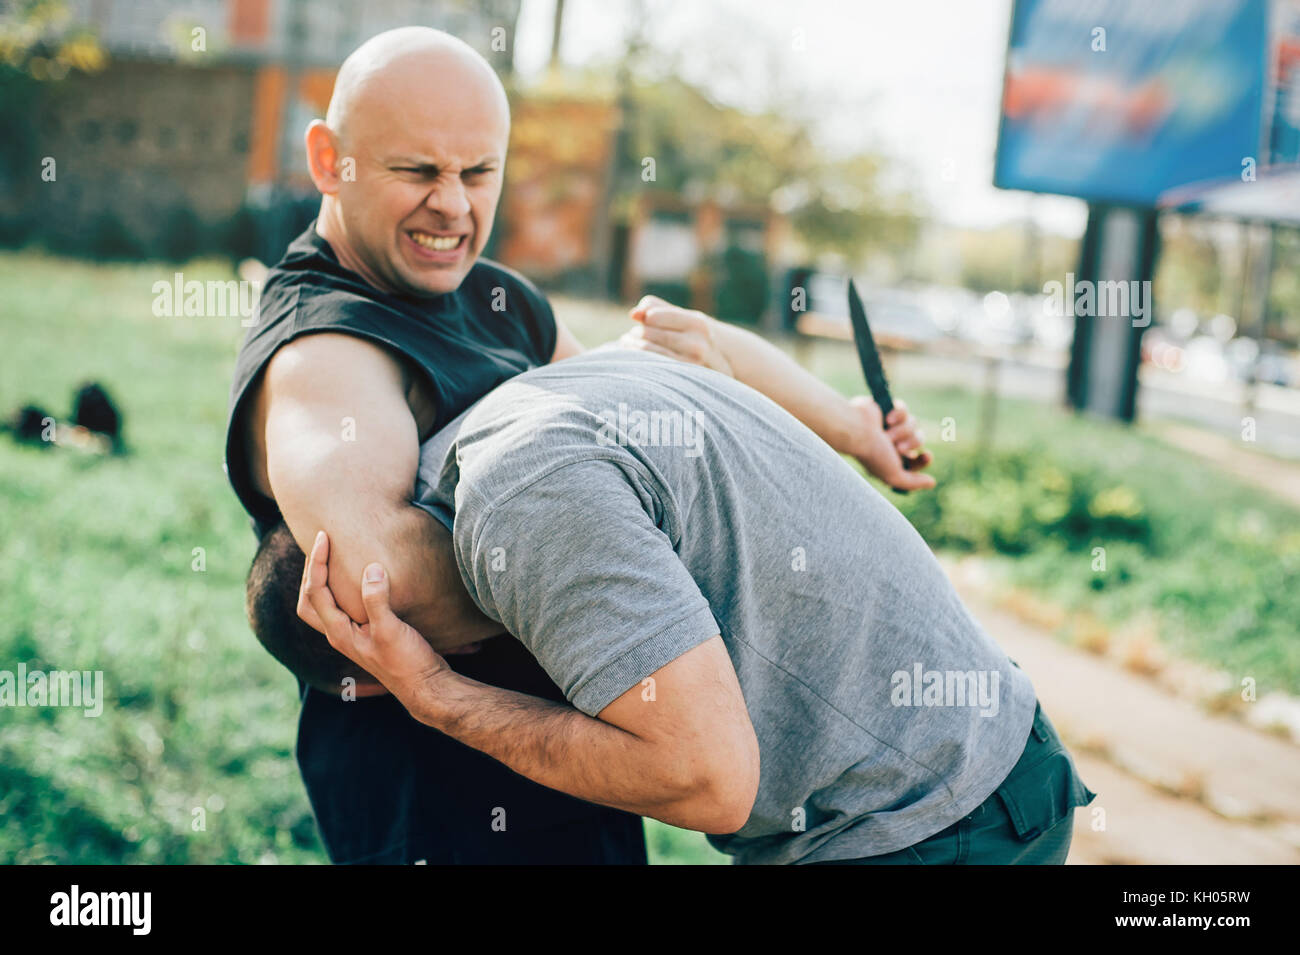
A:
(919, 80)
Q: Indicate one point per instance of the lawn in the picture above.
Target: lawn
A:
(134, 566)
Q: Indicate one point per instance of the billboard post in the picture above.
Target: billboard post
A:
(1117, 260)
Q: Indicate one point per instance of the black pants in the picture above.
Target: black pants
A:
(387, 789)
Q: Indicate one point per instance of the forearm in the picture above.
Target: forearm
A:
(767, 369)
(562, 748)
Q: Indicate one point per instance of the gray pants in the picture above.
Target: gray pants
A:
(1028, 820)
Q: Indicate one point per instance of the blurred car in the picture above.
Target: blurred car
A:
(1276, 366)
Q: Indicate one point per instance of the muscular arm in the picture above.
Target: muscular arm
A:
(312, 388)
(678, 747)
(597, 593)
(687, 756)
(341, 449)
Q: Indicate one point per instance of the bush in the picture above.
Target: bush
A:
(110, 240)
(183, 236)
(742, 286)
(1013, 502)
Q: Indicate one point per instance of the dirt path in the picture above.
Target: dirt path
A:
(1175, 784)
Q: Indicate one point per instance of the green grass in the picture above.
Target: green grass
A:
(97, 558)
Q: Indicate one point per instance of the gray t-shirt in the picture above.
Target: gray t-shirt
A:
(616, 509)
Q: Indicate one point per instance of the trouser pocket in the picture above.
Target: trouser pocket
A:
(1044, 788)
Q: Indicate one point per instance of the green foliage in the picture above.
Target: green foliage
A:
(1014, 502)
(1009, 258)
(668, 845)
(1284, 294)
(110, 240)
(743, 285)
(669, 291)
(183, 236)
(1190, 272)
(39, 46)
(39, 39)
(842, 209)
(241, 234)
(837, 204)
(1201, 270)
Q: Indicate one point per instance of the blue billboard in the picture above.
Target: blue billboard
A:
(1119, 101)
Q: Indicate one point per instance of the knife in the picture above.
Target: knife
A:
(872, 369)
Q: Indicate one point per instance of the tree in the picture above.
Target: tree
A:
(770, 159)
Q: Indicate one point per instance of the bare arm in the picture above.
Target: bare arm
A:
(686, 755)
(341, 451)
(851, 426)
(688, 758)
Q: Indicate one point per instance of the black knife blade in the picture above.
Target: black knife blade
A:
(868, 353)
(869, 358)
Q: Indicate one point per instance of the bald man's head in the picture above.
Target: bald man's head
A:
(409, 160)
(441, 56)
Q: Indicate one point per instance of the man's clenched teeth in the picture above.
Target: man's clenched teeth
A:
(438, 243)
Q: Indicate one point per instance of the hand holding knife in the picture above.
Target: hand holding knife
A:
(874, 371)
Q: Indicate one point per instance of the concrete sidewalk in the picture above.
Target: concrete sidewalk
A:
(1175, 784)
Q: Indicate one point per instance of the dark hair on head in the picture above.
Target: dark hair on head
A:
(271, 599)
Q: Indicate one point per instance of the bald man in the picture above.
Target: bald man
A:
(380, 325)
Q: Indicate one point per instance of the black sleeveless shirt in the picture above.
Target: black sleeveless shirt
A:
(459, 343)
(384, 787)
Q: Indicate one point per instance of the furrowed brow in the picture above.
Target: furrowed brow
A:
(423, 163)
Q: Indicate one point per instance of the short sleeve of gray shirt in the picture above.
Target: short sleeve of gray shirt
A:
(575, 565)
